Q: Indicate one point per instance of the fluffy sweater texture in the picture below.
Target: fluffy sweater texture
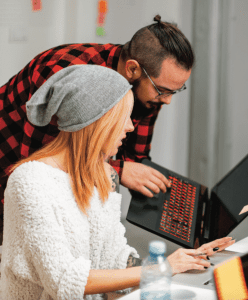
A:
(49, 245)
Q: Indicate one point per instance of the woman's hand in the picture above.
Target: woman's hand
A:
(221, 244)
(183, 260)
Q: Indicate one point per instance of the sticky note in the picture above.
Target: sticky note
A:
(100, 31)
(102, 6)
(36, 5)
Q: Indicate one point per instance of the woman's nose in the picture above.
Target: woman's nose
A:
(129, 126)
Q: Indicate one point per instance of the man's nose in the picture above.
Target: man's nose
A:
(166, 100)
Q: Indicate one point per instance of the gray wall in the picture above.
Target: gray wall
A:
(219, 107)
(237, 82)
(24, 34)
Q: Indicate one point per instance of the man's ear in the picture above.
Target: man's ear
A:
(133, 70)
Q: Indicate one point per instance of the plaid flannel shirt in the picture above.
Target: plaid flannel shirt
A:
(19, 138)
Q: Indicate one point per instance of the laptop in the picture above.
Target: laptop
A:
(185, 214)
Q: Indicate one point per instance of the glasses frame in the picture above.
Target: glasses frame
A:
(163, 95)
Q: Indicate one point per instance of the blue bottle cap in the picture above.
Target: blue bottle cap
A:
(157, 247)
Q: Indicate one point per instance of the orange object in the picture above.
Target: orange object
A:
(230, 280)
(102, 6)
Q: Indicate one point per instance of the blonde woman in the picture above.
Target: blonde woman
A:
(63, 238)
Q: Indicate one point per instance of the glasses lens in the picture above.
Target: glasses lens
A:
(183, 88)
(167, 94)
(164, 95)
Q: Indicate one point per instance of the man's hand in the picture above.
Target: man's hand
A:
(141, 178)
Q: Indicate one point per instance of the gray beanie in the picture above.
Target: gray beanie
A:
(78, 95)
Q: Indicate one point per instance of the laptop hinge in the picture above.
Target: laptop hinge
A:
(205, 216)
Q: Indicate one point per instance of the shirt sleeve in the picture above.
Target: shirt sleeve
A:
(117, 165)
(62, 275)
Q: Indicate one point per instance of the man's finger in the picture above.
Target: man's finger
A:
(159, 183)
(154, 188)
(143, 190)
(156, 178)
(161, 177)
(139, 177)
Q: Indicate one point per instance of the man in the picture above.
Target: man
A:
(157, 62)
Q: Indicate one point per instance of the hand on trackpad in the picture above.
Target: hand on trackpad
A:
(154, 195)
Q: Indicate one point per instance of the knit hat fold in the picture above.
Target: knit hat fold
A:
(78, 95)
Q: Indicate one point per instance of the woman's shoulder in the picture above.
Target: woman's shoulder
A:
(32, 181)
(33, 171)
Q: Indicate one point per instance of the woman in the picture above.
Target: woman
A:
(62, 233)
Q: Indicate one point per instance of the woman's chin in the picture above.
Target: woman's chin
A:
(113, 153)
(115, 150)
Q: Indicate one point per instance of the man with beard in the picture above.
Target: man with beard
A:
(157, 62)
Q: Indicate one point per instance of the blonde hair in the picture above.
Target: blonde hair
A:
(85, 150)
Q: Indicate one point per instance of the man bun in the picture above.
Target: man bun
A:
(157, 18)
(154, 43)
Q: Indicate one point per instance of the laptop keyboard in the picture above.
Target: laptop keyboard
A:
(177, 215)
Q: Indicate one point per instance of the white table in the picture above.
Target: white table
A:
(201, 294)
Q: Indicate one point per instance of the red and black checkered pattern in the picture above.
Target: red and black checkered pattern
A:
(19, 138)
(137, 145)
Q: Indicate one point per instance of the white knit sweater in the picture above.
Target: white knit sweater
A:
(49, 245)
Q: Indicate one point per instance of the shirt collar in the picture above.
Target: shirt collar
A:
(114, 56)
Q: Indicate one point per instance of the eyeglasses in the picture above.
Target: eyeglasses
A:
(166, 94)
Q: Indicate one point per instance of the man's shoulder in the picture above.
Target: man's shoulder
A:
(80, 47)
(52, 60)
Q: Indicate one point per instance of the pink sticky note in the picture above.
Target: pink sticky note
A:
(244, 209)
(101, 19)
(36, 5)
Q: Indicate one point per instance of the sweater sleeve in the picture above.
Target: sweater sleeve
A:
(116, 249)
(62, 275)
(124, 249)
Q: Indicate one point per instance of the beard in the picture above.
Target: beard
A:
(148, 105)
(135, 85)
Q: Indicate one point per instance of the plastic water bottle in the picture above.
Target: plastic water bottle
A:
(156, 274)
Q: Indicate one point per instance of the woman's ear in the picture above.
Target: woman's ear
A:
(133, 70)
